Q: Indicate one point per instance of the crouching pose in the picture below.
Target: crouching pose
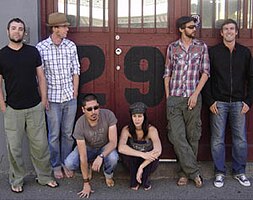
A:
(140, 145)
(96, 136)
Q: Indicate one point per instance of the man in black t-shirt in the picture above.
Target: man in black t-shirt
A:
(20, 68)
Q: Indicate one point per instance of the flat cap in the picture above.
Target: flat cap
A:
(183, 20)
(137, 108)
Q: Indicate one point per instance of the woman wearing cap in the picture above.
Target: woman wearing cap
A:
(140, 145)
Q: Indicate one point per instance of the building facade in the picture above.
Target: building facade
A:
(122, 45)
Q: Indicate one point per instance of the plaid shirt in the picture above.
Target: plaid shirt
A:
(60, 63)
(185, 67)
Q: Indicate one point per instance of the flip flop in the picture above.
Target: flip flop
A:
(17, 189)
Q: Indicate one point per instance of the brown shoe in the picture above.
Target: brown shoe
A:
(182, 181)
(198, 181)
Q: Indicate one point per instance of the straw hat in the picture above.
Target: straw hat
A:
(57, 19)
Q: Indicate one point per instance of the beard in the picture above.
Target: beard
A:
(192, 35)
(16, 41)
(94, 117)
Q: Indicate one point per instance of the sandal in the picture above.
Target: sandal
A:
(146, 188)
(17, 189)
(198, 181)
(182, 181)
(52, 184)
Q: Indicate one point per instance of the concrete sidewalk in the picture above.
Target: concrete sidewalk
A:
(163, 186)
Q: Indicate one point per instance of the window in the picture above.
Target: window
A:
(85, 13)
(142, 13)
(212, 12)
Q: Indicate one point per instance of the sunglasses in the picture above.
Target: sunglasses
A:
(191, 26)
(92, 108)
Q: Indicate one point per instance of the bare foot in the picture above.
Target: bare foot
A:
(67, 172)
(58, 174)
(17, 189)
(136, 187)
(109, 182)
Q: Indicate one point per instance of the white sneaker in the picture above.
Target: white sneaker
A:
(219, 180)
(243, 180)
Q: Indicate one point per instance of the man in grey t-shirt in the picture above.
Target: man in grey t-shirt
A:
(96, 136)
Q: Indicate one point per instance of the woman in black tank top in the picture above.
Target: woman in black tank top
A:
(140, 147)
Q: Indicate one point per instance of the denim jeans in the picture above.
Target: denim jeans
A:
(60, 121)
(231, 112)
(72, 162)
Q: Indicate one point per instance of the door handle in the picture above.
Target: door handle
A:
(118, 51)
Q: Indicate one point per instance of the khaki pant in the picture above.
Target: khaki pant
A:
(32, 122)
(184, 131)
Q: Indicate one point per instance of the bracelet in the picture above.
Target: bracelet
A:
(101, 156)
(86, 180)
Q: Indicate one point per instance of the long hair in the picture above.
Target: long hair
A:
(132, 128)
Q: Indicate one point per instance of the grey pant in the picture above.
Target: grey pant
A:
(184, 131)
(31, 121)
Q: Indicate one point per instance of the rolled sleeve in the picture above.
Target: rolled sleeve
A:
(206, 62)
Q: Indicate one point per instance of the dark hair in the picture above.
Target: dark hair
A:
(145, 127)
(229, 21)
(89, 97)
(15, 20)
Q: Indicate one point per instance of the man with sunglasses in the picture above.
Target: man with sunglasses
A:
(186, 72)
(96, 136)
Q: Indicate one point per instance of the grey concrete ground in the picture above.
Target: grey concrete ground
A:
(163, 187)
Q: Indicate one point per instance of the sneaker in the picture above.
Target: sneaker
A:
(219, 180)
(243, 180)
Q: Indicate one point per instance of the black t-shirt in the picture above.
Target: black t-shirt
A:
(18, 68)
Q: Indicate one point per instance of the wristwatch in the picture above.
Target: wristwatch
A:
(101, 156)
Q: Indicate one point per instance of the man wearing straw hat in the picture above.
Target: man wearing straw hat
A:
(62, 69)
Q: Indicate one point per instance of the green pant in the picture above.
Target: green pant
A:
(32, 122)
(184, 131)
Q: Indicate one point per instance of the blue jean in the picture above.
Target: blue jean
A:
(237, 122)
(72, 162)
(60, 121)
